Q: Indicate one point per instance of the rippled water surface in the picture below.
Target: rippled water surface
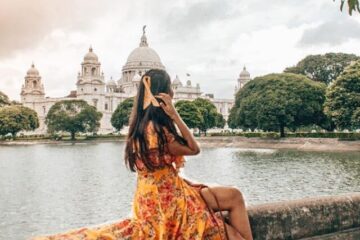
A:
(46, 188)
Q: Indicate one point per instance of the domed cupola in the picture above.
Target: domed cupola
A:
(111, 82)
(244, 73)
(32, 71)
(91, 79)
(32, 89)
(90, 57)
(140, 60)
(244, 78)
(176, 81)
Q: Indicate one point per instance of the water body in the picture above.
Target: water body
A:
(49, 188)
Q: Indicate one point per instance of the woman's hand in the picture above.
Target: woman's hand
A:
(175, 148)
(167, 105)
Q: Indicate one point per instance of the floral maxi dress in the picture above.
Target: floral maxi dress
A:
(165, 206)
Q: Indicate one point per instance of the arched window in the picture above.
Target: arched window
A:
(34, 84)
(106, 106)
(93, 70)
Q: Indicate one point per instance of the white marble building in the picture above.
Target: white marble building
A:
(244, 78)
(106, 96)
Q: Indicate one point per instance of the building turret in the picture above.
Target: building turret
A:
(32, 90)
(244, 78)
(176, 82)
(91, 83)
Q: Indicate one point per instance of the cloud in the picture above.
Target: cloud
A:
(192, 19)
(211, 39)
(23, 24)
(333, 32)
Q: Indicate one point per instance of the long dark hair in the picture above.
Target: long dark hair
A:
(136, 145)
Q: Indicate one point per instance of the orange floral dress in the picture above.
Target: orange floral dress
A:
(165, 206)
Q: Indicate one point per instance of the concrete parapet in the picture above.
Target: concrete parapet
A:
(328, 217)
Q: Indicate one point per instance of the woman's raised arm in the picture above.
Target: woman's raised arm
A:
(175, 148)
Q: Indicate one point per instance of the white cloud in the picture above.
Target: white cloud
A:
(211, 39)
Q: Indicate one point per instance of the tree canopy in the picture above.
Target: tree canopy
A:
(16, 118)
(343, 98)
(200, 113)
(277, 101)
(208, 112)
(4, 99)
(73, 116)
(353, 5)
(220, 121)
(121, 115)
(323, 68)
(190, 113)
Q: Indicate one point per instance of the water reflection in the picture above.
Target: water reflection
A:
(50, 188)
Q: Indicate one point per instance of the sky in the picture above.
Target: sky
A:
(209, 39)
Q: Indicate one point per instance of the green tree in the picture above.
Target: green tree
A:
(73, 116)
(208, 112)
(277, 101)
(355, 119)
(16, 118)
(232, 121)
(323, 68)
(353, 5)
(121, 115)
(343, 98)
(220, 121)
(190, 113)
(4, 99)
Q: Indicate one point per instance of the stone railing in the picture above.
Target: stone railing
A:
(328, 218)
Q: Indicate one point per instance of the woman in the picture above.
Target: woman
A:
(166, 206)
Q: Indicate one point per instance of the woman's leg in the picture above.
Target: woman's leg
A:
(233, 233)
(230, 199)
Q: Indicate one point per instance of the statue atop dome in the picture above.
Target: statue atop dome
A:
(143, 42)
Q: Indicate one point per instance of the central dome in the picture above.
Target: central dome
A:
(143, 58)
(143, 54)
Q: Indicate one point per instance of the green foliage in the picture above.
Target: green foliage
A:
(277, 101)
(355, 119)
(220, 121)
(4, 99)
(353, 5)
(232, 120)
(73, 116)
(15, 118)
(121, 115)
(343, 98)
(208, 112)
(190, 113)
(323, 68)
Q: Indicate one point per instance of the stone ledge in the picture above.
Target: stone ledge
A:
(350, 234)
(328, 217)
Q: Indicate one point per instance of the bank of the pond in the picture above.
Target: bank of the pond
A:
(305, 144)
